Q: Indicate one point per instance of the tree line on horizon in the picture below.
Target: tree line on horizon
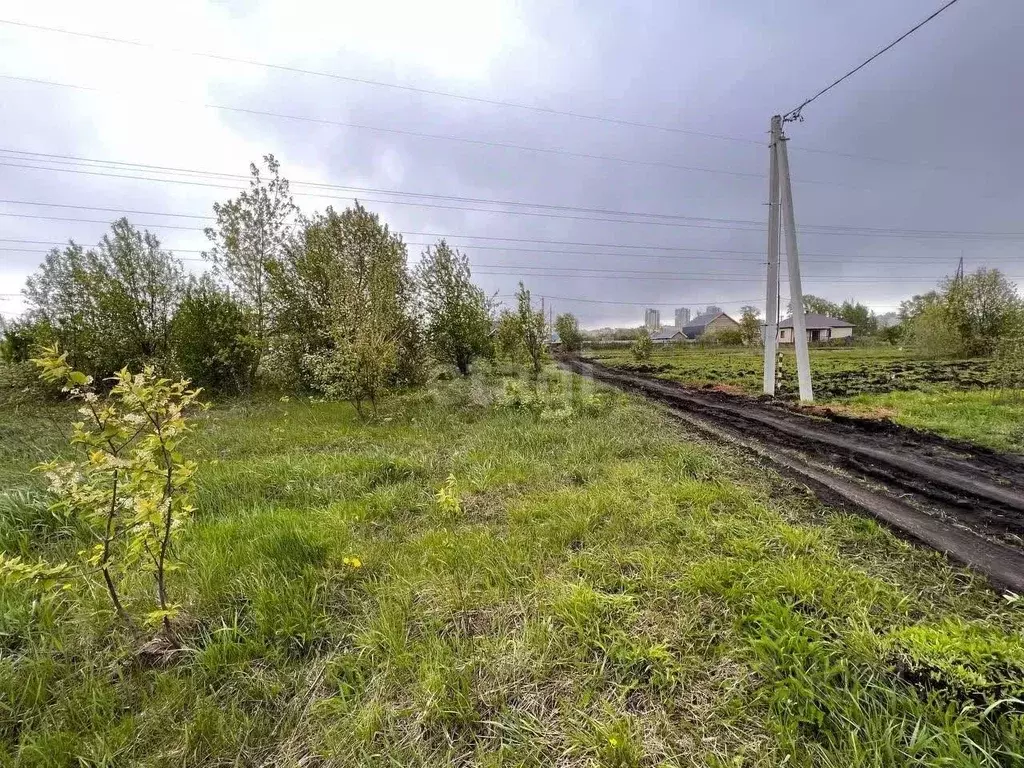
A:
(325, 303)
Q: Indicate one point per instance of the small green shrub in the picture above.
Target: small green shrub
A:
(642, 347)
(211, 342)
(130, 486)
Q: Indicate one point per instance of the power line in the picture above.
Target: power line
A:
(737, 225)
(687, 254)
(461, 97)
(667, 216)
(413, 134)
(794, 114)
(656, 303)
(396, 86)
(126, 166)
(540, 270)
(569, 272)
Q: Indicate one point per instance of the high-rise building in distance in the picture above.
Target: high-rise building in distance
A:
(682, 316)
(713, 310)
(652, 320)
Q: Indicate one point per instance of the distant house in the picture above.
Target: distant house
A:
(819, 328)
(708, 323)
(667, 334)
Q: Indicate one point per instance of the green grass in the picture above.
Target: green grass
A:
(610, 591)
(837, 371)
(989, 417)
(953, 398)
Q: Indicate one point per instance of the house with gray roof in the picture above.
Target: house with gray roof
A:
(819, 328)
(708, 323)
(667, 334)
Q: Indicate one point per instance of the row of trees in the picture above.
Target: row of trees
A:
(971, 315)
(325, 302)
(864, 321)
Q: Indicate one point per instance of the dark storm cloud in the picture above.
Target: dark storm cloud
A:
(942, 98)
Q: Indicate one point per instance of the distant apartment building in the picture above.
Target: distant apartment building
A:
(682, 317)
(713, 310)
(652, 319)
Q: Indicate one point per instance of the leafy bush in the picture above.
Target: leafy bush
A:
(549, 401)
(19, 339)
(642, 347)
(108, 307)
(569, 335)
(130, 486)
(729, 337)
(359, 369)
(20, 384)
(211, 340)
(933, 334)
(458, 314)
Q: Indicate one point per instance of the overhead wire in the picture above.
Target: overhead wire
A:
(415, 134)
(795, 114)
(451, 95)
(686, 254)
(548, 270)
(702, 222)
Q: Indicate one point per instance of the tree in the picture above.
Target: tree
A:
(508, 340)
(864, 321)
(893, 334)
(458, 314)
(110, 307)
(373, 342)
(726, 337)
(531, 329)
(984, 307)
(818, 306)
(210, 339)
(914, 306)
(933, 333)
(250, 236)
(750, 325)
(643, 346)
(568, 329)
(20, 338)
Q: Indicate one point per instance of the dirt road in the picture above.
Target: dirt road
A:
(962, 500)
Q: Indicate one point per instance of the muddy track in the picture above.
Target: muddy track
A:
(962, 500)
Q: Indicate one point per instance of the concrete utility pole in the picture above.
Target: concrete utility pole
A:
(771, 313)
(796, 292)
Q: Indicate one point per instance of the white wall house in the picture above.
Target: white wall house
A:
(819, 328)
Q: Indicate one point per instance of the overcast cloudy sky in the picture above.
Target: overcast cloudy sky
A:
(924, 144)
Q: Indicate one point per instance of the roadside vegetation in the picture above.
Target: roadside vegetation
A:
(317, 507)
(953, 364)
(988, 417)
(496, 574)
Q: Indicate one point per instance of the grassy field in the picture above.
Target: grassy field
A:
(951, 397)
(987, 417)
(608, 591)
(838, 372)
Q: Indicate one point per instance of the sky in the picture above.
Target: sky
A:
(478, 121)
